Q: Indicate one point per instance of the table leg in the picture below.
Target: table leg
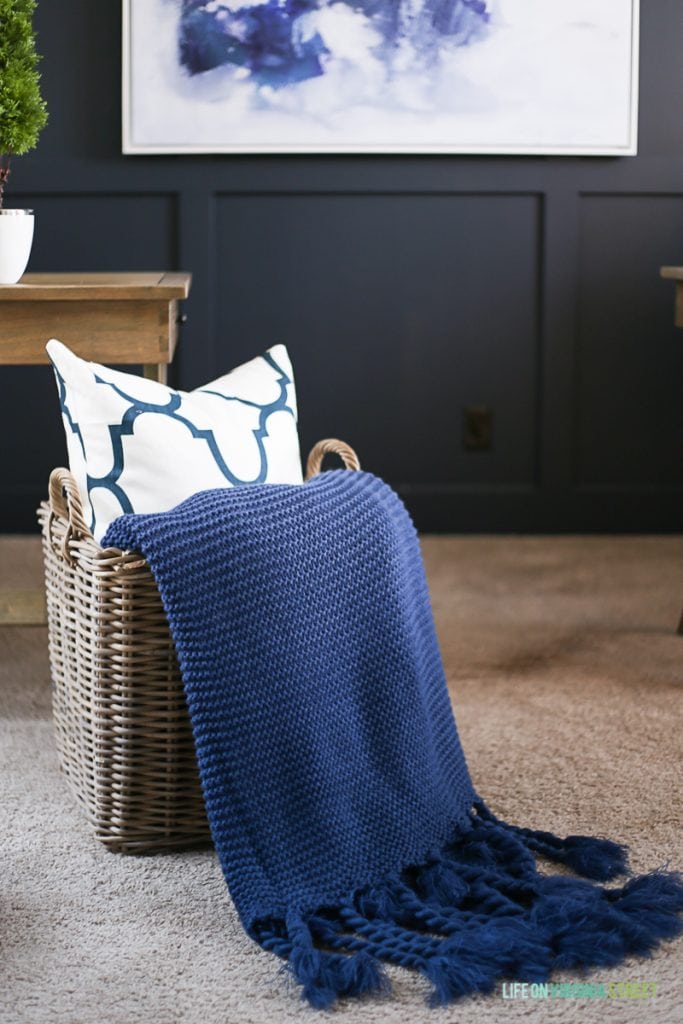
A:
(156, 371)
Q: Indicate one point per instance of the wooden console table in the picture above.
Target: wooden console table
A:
(676, 274)
(107, 318)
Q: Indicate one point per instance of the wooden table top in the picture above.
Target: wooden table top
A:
(104, 287)
(673, 273)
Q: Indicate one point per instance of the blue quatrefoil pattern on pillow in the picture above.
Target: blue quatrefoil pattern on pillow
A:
(138, 446)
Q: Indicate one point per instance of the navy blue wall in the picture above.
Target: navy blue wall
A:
(405, 289)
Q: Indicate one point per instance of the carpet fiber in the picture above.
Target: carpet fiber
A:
(566, 678)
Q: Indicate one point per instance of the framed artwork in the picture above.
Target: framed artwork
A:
(380, 76)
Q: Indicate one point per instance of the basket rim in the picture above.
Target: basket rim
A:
(64, 506)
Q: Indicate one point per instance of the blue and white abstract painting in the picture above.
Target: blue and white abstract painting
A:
(537, 76)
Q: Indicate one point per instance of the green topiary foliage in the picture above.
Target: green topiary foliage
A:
(22, 109)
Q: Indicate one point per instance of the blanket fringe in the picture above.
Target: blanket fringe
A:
(599, 859)
(476, 911)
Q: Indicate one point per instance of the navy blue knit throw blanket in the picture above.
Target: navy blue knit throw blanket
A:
(339, 800)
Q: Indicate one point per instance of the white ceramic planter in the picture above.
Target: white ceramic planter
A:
(16, 238)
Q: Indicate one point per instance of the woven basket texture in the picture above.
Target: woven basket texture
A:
(121, 723)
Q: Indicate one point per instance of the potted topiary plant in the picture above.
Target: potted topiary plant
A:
(22, 116)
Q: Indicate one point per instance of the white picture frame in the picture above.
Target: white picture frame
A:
(544, 86)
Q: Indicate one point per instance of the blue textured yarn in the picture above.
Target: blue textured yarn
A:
(338, 796)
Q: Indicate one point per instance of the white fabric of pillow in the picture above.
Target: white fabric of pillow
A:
(138, 446)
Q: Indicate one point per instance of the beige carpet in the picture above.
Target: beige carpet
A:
(566, 677)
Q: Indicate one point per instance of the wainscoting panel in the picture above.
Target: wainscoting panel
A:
(398, 311)
(629, 408)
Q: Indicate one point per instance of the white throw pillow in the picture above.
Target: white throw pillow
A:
(138, 446)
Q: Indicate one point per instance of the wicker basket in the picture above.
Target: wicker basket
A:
(122, 728)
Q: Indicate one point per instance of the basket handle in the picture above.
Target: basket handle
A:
(330, 446)
(65, 502)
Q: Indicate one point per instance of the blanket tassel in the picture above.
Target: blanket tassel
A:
(599, 859)
(478, 911)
